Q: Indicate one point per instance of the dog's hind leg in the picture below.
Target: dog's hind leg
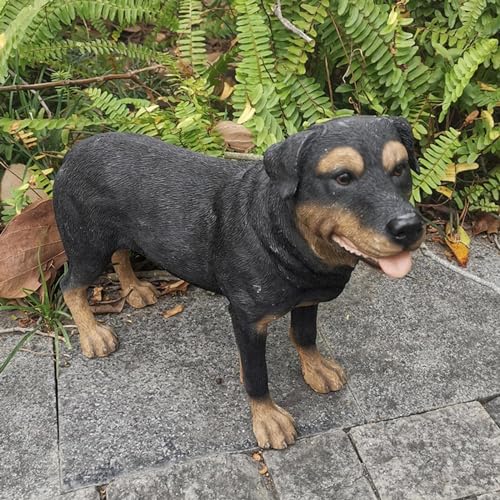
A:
(137, 293)
(321, 374)
(96, 339)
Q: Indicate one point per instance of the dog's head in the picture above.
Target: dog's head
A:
(348, 181)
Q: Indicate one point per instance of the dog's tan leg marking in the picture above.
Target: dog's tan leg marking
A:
(138, 293)
(96, 339)
(321, 374)
(273, 426)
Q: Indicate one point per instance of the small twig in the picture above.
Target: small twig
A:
(18, 329)
(35, 93)
(82, 81)
(231, 155)
(288, 25)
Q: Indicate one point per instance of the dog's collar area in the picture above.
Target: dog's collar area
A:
(396, 266)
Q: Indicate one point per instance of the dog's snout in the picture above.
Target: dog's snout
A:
(406, 229)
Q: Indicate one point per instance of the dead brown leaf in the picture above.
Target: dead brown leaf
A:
(471, 117)
(173, 287)
(29, 239)
(263, 470)
(236, 136)
(173, 311)
(108, 307)
(486, 223)
(257, 456)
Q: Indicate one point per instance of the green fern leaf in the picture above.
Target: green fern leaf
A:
(436, 157)
(463, 70)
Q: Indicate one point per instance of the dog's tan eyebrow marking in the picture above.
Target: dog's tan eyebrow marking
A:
(342, 157)
(393, 153)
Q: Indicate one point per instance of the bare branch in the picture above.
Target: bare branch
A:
(288, 25)
(80, 82)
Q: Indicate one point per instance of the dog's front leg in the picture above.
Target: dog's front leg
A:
(273, 427)
(321, 374)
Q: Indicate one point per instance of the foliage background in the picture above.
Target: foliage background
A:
(435, 63)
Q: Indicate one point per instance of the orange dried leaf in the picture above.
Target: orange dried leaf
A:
(263, 470)
(30, 238)
(173, 311)
(458, 242)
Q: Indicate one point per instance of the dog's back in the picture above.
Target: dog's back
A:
(119, 190)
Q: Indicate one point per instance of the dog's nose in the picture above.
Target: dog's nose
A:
(406, 229)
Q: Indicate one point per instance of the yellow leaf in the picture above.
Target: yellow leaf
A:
(459, 242)
(464, 167)
(445, 190)
(488, 118)
(226, 91)
(488, 88)
(247, 114)
(450, 173)
(3, 40)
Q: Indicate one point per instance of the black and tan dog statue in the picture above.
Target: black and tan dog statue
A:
(273, 236)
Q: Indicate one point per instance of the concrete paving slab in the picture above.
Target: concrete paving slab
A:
(493, 408)
(423, 342)
(225, 476)
(29, 467)
(447, 454)
(319, 468)
(172, 392)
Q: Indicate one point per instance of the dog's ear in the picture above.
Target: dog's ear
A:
(404, 131)
(282, 163)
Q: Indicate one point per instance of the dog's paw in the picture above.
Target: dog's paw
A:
(273, 426)
(141, 294)
(98, 342)
(321, 374)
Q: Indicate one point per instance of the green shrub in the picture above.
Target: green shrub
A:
(435, 63)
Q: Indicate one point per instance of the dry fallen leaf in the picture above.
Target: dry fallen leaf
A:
(227, 90)
(486, 223)
(29, 239)
(172, 312)
(173, 287)
(236, 136)
(108, 307)
(459, 242)
(257, 456)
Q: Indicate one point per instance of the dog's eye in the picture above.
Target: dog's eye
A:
(344, 178)
(399, 169)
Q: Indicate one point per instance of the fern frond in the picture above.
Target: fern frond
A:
(469, 13)
(191, 42)
(463, 70)
(436, 157)
(16, 31)
(255, 97)
(483, 197)
(59, 51)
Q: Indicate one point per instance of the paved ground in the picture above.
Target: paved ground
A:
(165, 417)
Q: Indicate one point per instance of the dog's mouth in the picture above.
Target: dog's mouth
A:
(395, 266)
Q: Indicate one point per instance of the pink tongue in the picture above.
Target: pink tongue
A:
(396, 266)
